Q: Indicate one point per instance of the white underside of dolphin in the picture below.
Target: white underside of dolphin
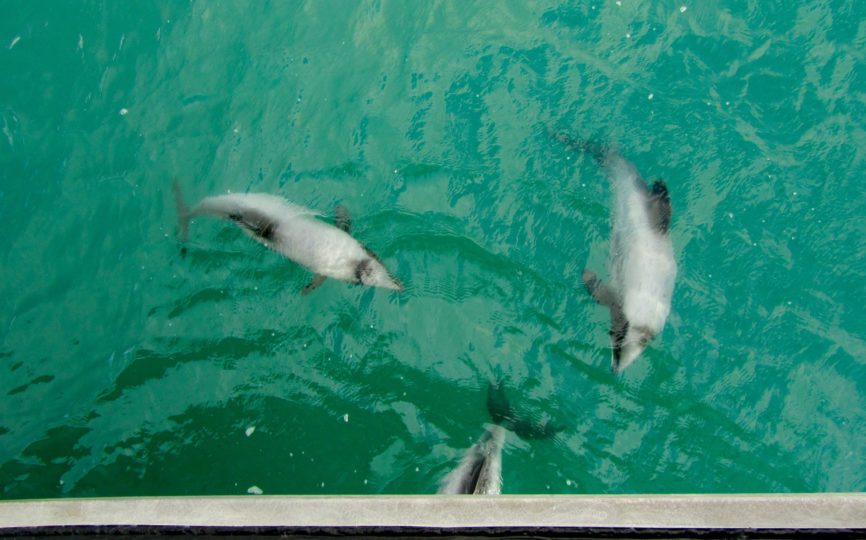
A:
(298, 234)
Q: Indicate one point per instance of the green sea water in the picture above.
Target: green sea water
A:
(127, 368)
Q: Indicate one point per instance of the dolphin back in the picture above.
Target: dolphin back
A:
(480, 470)
(230, 204)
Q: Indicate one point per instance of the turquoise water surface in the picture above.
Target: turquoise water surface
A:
(127, 368)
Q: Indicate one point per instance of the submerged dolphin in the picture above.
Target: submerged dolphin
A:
(294, 231)
(642, 265)
(480, 470)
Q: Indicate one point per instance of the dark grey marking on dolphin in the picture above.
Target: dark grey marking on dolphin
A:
(257, 223)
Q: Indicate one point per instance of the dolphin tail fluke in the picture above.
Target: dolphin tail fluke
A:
(504, 415)
(594, 149)
(182, 211)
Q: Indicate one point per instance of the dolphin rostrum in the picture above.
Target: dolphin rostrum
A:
(294, 232)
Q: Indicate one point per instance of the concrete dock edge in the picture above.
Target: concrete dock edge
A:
(805, 512)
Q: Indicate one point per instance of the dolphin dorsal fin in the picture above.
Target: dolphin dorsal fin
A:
(343, 220)
(659, 206)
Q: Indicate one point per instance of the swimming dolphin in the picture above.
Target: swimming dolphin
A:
(480, 470)
(642, 265)
(294, 232)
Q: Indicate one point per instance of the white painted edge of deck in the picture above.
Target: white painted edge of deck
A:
(804, 511)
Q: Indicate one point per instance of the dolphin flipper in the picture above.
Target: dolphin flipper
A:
(343, 221)
(602, 294)
(317, 280)
(659, 206)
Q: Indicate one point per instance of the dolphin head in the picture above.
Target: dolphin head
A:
(628, 344)
(372, 273)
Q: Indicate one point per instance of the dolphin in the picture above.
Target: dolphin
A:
(294, 232)
(641, 261)
(480, 469)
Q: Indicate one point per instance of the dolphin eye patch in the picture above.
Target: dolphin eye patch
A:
(362, 269)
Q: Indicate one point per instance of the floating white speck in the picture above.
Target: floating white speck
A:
(15, 40)
(567, 482)
(124, 112)
(683, 9)
(8, 133)
(650, 96)
(250, 430)
(323, 484)
(618, 3)
(254, 490)
(236, 130)
(346, 417)
(80, 42)
(628, 36)
(365, 481)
